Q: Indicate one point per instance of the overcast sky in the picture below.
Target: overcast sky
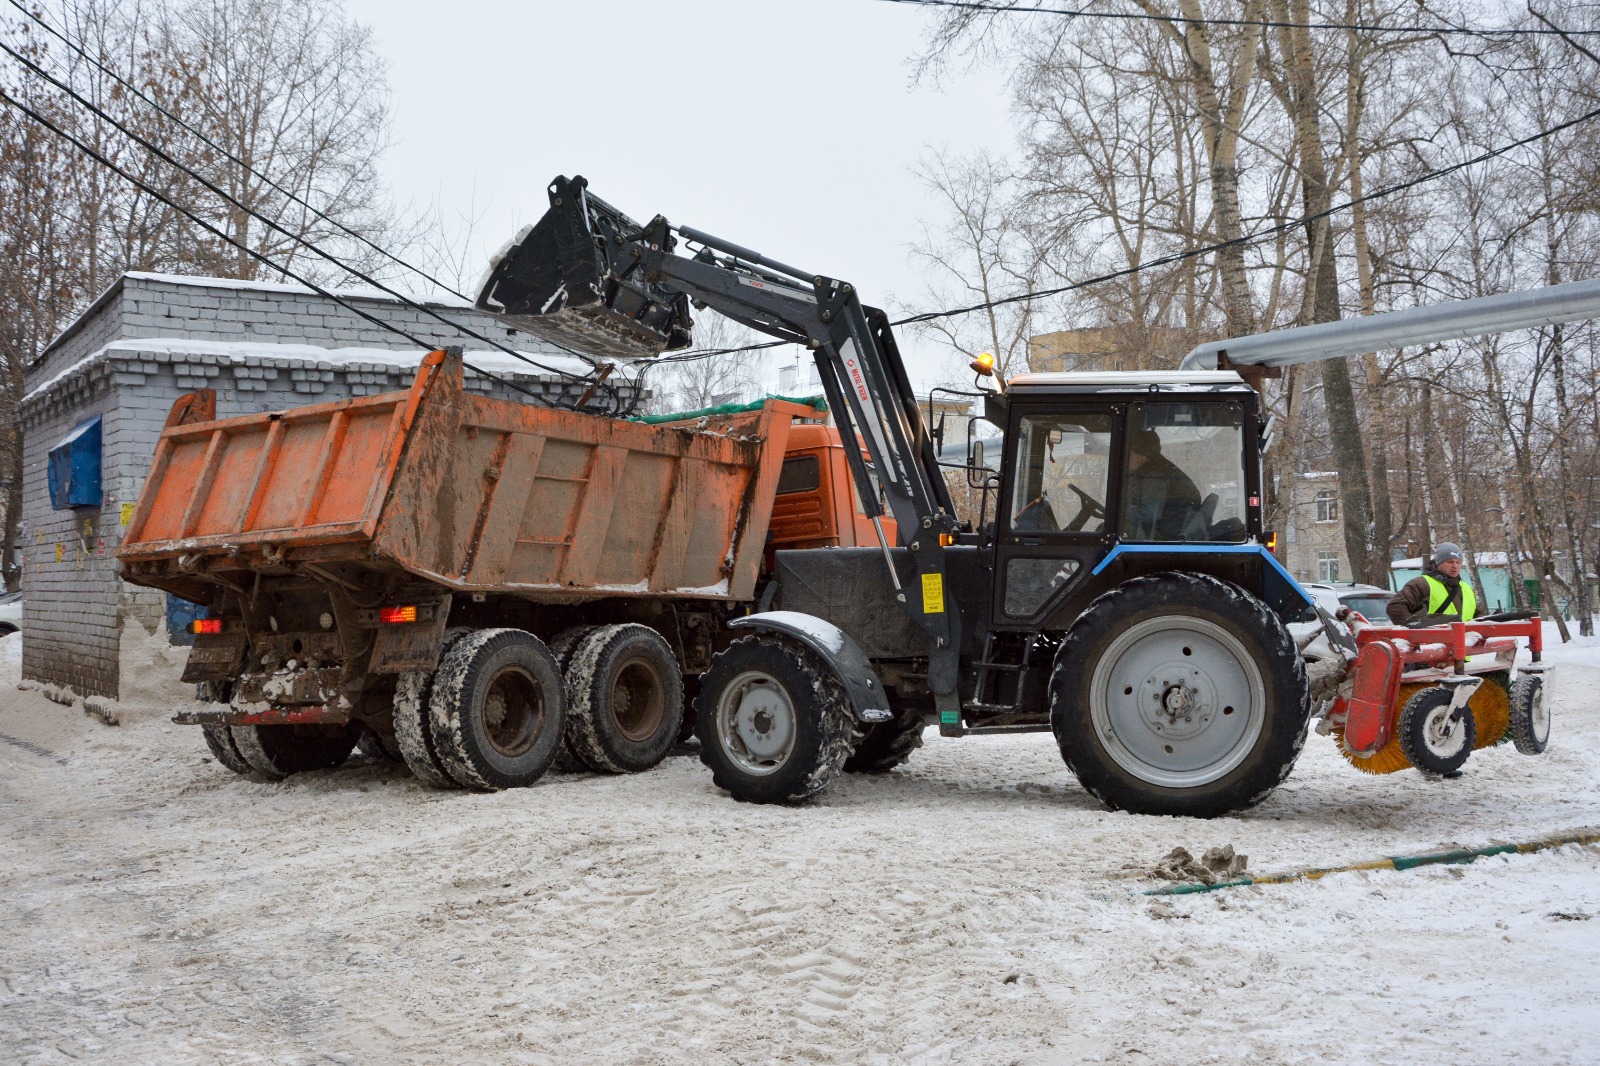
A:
(788, 126)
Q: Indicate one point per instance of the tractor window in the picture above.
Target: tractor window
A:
(1185, 473)
(1061, 472)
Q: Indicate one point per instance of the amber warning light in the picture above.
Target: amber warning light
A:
(1271, 541)
(392, 615)
(205, 625)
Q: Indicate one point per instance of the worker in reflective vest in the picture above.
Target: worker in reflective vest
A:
(1439, 594)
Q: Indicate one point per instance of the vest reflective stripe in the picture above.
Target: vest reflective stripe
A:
(1437, 594)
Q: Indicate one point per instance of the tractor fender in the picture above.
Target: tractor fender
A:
(868, 701)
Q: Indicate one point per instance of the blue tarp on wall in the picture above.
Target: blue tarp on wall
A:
(74, 467)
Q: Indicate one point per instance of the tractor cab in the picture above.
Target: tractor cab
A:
(1110, 475)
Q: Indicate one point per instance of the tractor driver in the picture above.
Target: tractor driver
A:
(1438, 591)
(1162, 501)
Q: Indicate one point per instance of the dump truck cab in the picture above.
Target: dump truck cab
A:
(817, 505)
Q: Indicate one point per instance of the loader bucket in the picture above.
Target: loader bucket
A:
(564, 279)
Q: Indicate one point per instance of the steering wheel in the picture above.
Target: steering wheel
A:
(1092, 508)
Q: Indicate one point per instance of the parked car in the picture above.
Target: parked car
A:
(10, 613)
(1369, 601)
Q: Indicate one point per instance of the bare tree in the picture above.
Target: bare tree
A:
(692, 382)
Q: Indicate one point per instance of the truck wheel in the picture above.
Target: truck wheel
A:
(886, 745)
(412, 694)
(280, 750)
(1530, 715)
(219, 738)
(497, 709)
(772, 720)
(379, 748)
(624, 699)
(1434, 740)
(1179, 694)
(562, 647)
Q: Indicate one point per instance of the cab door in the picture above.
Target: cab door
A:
(1055, 515)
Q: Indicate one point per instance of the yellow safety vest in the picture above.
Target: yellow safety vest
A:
(1437, 594)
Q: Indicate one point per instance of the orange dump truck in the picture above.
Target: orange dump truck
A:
(474, 587)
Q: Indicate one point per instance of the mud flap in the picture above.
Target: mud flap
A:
(868, 701)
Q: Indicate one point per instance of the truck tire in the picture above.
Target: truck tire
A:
(562, 647)
(412, 693)
(497, 711)
(379, 748)
(886, 745)
(219, 738)
(624, 699)
(1530, 715)
(1432, 739)
(280, 750)
(773, 723)
(1179, 694)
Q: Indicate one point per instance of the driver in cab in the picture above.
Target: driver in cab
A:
(1162, 501)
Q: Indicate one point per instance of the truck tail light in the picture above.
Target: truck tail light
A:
(1270, 539)
(397, 615)
(205, 625)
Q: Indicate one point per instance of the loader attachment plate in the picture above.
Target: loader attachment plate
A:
(560, 279)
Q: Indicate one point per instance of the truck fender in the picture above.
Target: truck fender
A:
(868, 701)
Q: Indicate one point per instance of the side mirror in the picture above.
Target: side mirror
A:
(976, 459)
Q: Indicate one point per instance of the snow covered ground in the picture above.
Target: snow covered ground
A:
(974, 907)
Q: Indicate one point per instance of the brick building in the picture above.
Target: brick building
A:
(148, 339)
(1314, 537)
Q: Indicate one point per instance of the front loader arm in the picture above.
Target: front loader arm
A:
(585, 269)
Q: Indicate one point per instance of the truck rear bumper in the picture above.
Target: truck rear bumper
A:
(222, 714)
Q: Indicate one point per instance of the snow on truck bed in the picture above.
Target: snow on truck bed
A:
(973, 907)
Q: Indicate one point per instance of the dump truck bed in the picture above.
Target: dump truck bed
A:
(472, 492)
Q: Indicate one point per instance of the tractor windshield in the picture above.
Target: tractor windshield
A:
(1184, 478)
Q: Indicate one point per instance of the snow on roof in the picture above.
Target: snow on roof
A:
(203, 282)
(363, 293)
(256, 352)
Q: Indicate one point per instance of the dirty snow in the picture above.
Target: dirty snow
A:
(973, 907)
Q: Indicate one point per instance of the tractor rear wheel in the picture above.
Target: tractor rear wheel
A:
(1530, 715)
(773, 723)
(1179, 694)
(1436, 741)
(280, 750)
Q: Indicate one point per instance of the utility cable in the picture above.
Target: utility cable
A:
(1270, 231)
(273, 223)
(137, 92)
(157, 194)
(1142, 16)
(208, 142)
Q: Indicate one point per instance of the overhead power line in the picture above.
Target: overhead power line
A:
(208, 142)
(1261, 234)
(157, 194)
(273, 223)
(267, 179)
(1143, 16)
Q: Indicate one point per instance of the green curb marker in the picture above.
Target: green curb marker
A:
(1453, 857)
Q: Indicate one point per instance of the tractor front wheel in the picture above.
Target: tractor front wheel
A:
(1179, 694)
(773, 723)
